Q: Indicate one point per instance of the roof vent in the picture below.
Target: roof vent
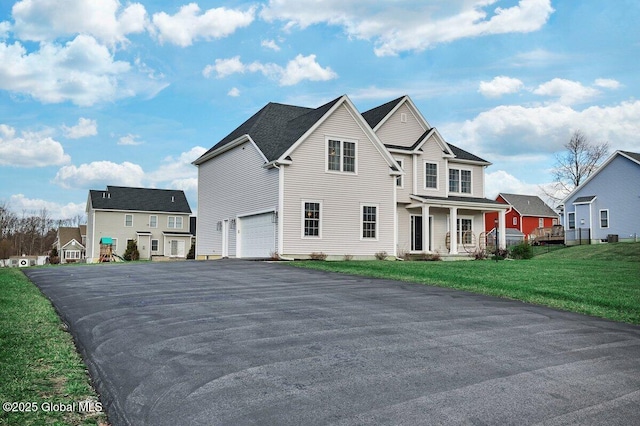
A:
(173, 199)
(104, 195)
(108, 195)
(403, 117)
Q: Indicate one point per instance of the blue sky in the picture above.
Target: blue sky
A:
(102, 92)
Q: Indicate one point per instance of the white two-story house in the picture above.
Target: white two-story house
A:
(156, 219)
(293, 181)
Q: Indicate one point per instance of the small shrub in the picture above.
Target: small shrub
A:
(429, 257)
(131, 253)
(192, 252)
(403, 254)
(501, 254)
(480, 254)
(54, 257)
(347, 257)
(318, 256)
(522, 251)
(381, 255)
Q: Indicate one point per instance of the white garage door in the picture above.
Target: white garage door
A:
(257, 235)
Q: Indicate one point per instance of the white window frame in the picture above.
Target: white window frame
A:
(459, 186)
(153, 224)
(157, 246)
(459, 232)
(515, 221)
(342, 142)
(125, 220)
(600, 218)
(302, 216)
(72, 254)
(569, 215)
(424, 175)
(114, 245)
(175, 220)
(541, 222)
(377, 222)
(400, 178)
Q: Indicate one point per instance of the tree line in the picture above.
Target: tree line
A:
(30, 233)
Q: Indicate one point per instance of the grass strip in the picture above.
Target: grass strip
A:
(603, 288)
(39, 363)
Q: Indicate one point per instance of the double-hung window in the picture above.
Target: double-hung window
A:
(341, 156)
(399, 179)
(369, 222)
(311, 219)
(174, 222)
(460, 181)
(571, 220)
(431, 175)
(128, 220)
(153, 221)
(465, 231)
(604, 218)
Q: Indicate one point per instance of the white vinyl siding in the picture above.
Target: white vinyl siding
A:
(231, 185)
(341, 193)
(396, 132)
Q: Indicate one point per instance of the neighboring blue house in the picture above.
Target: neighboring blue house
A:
(606, 206)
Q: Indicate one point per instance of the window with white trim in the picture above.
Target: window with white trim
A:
(174, 222)
(72, 254)
(114, 245)
(154, 245)
(369, 223)
(465, 231)
(431, 175)
(540, 222)
(604, 218)
(128, 220)
(311, 219)
(400, 178)
(515, 220)
(341, 156)
(153, 221)
(571, 220)
(460, 181)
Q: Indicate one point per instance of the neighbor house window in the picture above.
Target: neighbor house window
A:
(174, 222)
(72, 254)
(341, 155)
(114, 245)
(128, 220)
(571, 219)
(399, 179)
(431, 175)
(460, 181)
(604, 218)
(515, 220)
(540, 222)
(154, 245)
(369, 221)
(153, 221)
(311, 219)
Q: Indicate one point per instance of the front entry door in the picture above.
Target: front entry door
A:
(416, 233)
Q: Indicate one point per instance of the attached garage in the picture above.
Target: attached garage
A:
(257, 235)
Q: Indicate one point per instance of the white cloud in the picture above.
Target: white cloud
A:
(270, 44)
(516, 130)
(82, 71)
(499, 86)
(130, 140)
(19, 203)
(607, 83)
(84, 128)
(98, 174)
(298, 69)
(104, 20)
(31, 149)
(568, 92)
(234, 92)
(189, 24)
(177, 169)
(404, 25)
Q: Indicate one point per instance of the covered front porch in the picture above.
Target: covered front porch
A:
(426, 224)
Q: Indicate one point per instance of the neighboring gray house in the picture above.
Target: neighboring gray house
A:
(292, 181)
(71, 243)
(606, 204)
(157, 219)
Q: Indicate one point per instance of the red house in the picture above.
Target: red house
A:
(528, 213)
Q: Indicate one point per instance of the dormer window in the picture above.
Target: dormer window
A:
(341, 156)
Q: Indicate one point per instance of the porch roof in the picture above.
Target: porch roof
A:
(473, 203)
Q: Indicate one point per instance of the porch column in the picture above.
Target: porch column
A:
(425, 228)
(502, 235)
(453, 230)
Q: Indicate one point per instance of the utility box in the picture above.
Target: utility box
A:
(612, 238)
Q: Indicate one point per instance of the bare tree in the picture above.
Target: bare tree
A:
(575, 164)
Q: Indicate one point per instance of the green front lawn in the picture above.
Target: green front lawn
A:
(40, 367)
(603, 281)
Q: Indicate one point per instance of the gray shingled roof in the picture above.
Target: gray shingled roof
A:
(633, 155)
(66, 234)
(585, 199)
(529, 205)
(276, 127)
(375, 115)
(140, 199)
(461, 154)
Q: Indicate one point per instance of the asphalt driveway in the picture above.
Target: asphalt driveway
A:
(238, 343)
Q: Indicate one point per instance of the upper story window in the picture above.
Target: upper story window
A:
(431, 175)
(400, 179)
(460, 181)
(341, 156)
(174, 222)
(128, 220)
(153, 221)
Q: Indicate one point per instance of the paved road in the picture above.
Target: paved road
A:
(240, 343)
